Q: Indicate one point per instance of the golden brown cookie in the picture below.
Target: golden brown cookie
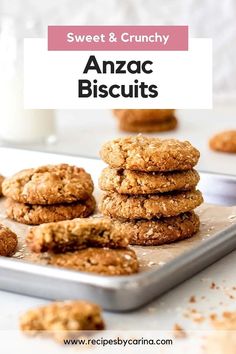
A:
(62, 319)
(132, 116)
(224, 142)
(138, 182)
(49, 184)
(8, 241)
(39, 214)
(149, 206)
(75, 234)
(1, 181)
(104, 261)
(159, 231)
(149, 154)
(169, 123)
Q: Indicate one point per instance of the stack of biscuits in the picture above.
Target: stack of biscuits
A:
(150, 189)
(89, 245)
(49, 193)
(146, 120)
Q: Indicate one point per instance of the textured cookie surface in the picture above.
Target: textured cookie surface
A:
(104, 261)
(49, 185)
(39, 214)
(149, 206)
(149, 154)
(225, 141)
(61, 319)
(1, 181)
(138, 182)
(149, 127)
(8, 241)
(159, 231)
(74, 235)
(132, 116)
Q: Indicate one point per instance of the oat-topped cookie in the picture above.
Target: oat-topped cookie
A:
(104, 261)
(225, 141)
(63, 319)
(40, 214)
(75, 234)
(49, 185)
(8, 241)
(159, 231)
(149, 154)
(149, 206)
(138, 182)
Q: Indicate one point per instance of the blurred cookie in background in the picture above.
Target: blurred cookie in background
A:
(224, 141)
(146, 120)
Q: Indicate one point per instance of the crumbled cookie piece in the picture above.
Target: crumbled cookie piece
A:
(63, 319)
(149, 206)
(224, 142)
(103, 261)
(49, 184)
(8, 241)
(149, 154)
(39, 214)
(74, 235)
(137, 182)
(159, 231)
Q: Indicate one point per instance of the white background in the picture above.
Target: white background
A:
(184, 79)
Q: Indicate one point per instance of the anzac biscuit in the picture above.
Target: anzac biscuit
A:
(104, 261)
(63, 319)
(39, 214)
(133, 116)
(137, 182)
(224, 142)
(74, 235)
(1, 181)
(49, 184)
(159, 231)
(149, 206)
(8, 241)
(149, 127)
(149, 154)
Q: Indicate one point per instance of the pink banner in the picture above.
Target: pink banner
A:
(95, 38)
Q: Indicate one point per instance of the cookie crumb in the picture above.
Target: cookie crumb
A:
(192, 299)
(179, 332)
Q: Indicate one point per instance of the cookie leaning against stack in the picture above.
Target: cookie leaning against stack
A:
(150, 188)
(146, 120)
(49, 193)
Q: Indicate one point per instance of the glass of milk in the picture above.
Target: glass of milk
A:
(19, 125)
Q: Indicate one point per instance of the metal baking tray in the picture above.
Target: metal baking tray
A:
(123, 293)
